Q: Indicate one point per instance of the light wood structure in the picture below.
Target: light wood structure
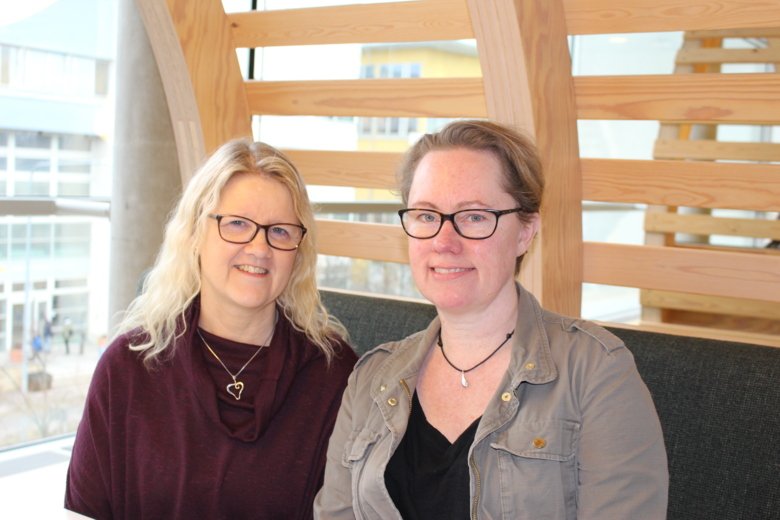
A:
(712, 52)
(526, 82)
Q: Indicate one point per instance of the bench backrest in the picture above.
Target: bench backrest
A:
(719, 405)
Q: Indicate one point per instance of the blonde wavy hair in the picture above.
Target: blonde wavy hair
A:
(157, 315)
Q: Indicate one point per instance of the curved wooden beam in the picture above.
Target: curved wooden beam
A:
(527, 77)
(200, 74)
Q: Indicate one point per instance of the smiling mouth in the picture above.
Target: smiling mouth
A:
(252, 269)
(450, 270)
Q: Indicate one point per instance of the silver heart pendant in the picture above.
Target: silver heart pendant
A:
(235, 389)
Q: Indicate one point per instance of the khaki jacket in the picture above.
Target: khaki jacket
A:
(572, 432)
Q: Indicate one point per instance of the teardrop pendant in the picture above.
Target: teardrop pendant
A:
(463, 382)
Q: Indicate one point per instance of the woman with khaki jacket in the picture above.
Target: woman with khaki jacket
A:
(499, 409)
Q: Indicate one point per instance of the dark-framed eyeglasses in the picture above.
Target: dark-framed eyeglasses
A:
(241, 230)
(474, 224)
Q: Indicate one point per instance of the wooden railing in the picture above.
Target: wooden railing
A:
(526, 82)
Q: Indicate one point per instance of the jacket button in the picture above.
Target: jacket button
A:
(530, 365)
(539, 443)
(506, 397)
(392, 401)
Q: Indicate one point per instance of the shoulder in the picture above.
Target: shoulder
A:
(118, 360)
(344, 357)
(579, 333)
(374, 359)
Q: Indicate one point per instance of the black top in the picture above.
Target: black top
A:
(427, 477)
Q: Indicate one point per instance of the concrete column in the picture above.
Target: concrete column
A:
(146, 179)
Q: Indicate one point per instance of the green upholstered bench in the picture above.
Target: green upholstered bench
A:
(719, 405)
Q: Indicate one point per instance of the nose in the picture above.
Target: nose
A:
(447, 239)
(259, 245)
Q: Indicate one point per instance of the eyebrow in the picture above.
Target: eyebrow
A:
(466, 204)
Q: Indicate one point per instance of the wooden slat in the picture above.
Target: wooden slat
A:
(380, 23)
(768, 340)
(383, 242)
(719, 56)
(526, 68)
(706, 150)
(745, 324)
(716, 98)
(417, 97)
(675, 269)
(752, 32)
(609, 16)
(678, 183)
(353, 169)
(708, 225)
(731, 249)
(711, 304)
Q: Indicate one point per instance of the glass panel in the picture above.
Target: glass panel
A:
(33, 140)
(33, 237)
(73, 189)
(71, 239)
(45, 262)
(75, 142)
(4, 243)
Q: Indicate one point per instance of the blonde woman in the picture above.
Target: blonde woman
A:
(217, 396)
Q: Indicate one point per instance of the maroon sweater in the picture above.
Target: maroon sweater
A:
(171, 443)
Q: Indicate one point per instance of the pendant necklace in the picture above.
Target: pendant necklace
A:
(463, 381)
(236, 387)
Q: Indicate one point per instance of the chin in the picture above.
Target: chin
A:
(446, 300)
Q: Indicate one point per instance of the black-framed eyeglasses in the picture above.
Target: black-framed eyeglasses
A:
(474, 224)
(241, 230)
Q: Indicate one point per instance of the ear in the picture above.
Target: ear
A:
(528, 231)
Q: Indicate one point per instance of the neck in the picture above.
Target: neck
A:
(468, 336)
(240, 329)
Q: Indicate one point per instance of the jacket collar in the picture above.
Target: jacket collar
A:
(531, 362)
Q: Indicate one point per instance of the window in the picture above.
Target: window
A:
(53, 146)
(32, 140)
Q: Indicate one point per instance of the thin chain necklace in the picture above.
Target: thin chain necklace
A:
(463, 381)
(236, 387)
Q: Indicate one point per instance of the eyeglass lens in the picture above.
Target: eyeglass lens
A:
(420, 223)
(240, 231)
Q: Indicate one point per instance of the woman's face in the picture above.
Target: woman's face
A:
(246, 279)
(455, 273)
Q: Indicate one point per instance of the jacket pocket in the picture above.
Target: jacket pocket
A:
(550, 440)
(357, 446)
(535, 470)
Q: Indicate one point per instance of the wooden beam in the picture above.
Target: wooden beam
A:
(750, 32)
(715, 98)
(712, 304)
(768, 340)
(381, 23)
(208, 104)
(738, 275)
(417, 97)
(720, 56)
(351, 169)
(527, 74)
(711, 150)
(709, 225)
(383, 242)
(609, 17)
(683, 183)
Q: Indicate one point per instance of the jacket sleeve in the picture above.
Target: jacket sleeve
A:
(87, 488)
(622, 467)
(334, 500)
